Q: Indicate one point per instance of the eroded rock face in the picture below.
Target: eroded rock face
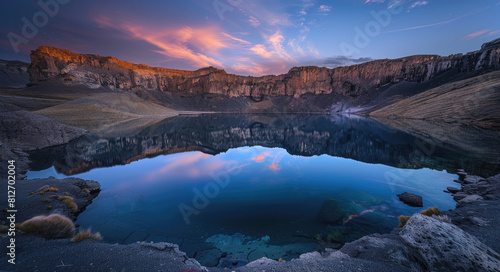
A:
(352, 81)
(13, 74)
(440, 246)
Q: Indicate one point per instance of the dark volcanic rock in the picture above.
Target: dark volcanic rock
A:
(411, 199)
(32, 203)
(331, 212)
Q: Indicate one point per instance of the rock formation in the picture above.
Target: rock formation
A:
(440, 246)
(13, 74)
(410, 199)
(352, 81)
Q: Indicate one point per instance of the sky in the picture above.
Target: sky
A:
(248, 37)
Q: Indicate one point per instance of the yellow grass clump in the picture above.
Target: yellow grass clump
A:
(431, 211)
(69, 203)
(51, 189)
(86, 234)
(402, 220)
(54, 226)
(85, 190)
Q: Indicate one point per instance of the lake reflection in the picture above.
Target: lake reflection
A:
(255, 175)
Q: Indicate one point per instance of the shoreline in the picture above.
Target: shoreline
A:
(389, 252)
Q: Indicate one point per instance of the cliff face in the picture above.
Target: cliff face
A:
(13, 74)
(352, 81)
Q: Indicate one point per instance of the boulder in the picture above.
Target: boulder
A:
(452, 190)
(411, 199)
(331, 212)
(470, 199)
(472, 179)
(459, 196)
(440, 246)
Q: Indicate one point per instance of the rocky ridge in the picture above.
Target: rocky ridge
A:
(14, 74)
(50, 63)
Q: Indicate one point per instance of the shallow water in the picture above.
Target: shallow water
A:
(187, 179)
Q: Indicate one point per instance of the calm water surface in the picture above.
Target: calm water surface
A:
(186, 179)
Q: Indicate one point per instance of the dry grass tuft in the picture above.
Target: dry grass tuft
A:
(431, 211)
(85, 190)
(49, 207)
(402, 220)
(54, 226)
(86, 234)
(51, 189)
(69, 203)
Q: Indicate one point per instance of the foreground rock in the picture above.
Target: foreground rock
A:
(41, 197)
(479, 214)
(411, 199)
(38, 254)
(439, 246)
(315, 261)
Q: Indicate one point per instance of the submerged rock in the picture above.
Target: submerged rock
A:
(440, 246)
(411, 199)
(331, 212)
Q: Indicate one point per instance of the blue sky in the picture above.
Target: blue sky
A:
(250, 37)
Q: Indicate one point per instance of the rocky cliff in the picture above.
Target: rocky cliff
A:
(352, 81)
(13, 74)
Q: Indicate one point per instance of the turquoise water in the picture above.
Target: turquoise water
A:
(184, 196)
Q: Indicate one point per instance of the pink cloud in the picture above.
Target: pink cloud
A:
(198, 45)
(274, 166)
(275, 48)
(250, 68)
(261, 157)
(475, 34)
(184, 163)
(211, 45)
